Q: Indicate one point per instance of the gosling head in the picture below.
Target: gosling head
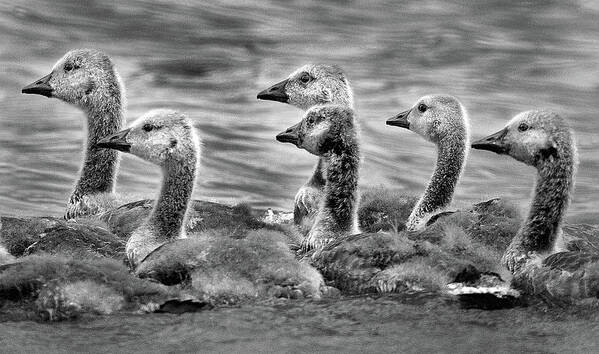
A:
(531, 137)
(434, 117)
(160, 136)
(82, 77)
(312, 85)
(322, 130)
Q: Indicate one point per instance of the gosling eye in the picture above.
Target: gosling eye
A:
(305, 78)
(311, 120)
(523, 127)
(148, 127)
(68, 67)
(422, 108)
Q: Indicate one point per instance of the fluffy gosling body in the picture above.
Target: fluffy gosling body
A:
(308, 86)
(442, 120)
(54, 288)
(544, 140)
(87, 79)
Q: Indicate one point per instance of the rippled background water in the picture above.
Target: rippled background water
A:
(210, 59)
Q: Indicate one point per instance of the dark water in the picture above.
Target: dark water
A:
(210, 60)
(387, 324)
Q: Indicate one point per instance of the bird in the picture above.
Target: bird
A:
(541, 268)
(166, 138)
(61, 287)
(357, 262)
(320, 84)
(330, 131)
(213, 263)
(312, 85)
(87, 79)
(308, 86)
(442, 120)
(492, 223)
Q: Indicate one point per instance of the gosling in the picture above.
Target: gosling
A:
(87, 79)
(369, 262)
(330, 132)
(544, 140)
(165, 138)
(442, 120)
(214, 262)
(309, 86)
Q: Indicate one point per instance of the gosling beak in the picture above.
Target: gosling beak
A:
(494, 142)
(40, 87)
(116, 141)
(290, 135)
(275, 93)
(400, 120)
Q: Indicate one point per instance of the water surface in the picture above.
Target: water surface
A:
(397, 324)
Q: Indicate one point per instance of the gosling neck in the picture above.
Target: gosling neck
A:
(345, 98)
(98, 173)
(318, 178)
(551, 199)
(451, 156)
(339, 206)
(169, 214)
